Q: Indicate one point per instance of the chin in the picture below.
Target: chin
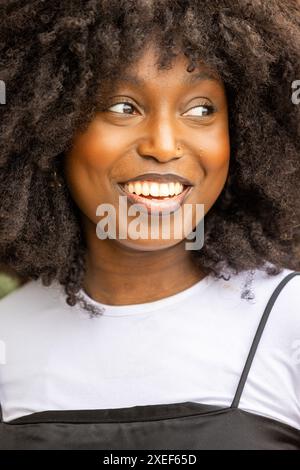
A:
(147, 245)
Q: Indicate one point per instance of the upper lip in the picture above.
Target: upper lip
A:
(160, 177)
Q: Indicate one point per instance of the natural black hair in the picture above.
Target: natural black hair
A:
(54, 58)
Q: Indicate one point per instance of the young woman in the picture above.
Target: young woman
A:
(124, 342)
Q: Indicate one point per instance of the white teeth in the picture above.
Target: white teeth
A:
(178, 188)
(138, 188)
(130, 187)
(154, 189)
(164, 189)
(146, 189)
(172, 189)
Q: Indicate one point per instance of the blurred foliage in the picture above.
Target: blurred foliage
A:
(7, 284)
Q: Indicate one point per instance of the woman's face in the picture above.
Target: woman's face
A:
(163, 122)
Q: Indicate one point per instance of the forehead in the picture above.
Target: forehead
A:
(145, 72)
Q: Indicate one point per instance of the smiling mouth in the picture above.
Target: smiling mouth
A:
(157, 198)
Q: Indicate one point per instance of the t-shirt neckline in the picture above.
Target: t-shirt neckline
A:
(130, 309)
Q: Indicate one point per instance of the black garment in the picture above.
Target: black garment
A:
(185, 425)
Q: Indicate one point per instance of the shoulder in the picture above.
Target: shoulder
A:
(274, 380)
(283, 297)
(252, 290)
(259, 285)
(30, 298)
(285, 286)
(283, 325)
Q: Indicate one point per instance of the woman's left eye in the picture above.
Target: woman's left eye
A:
(205, 110)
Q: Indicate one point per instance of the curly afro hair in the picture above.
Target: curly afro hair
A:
(54, 58)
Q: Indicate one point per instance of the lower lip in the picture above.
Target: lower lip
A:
(166, 205)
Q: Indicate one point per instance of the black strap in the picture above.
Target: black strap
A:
(257, 337)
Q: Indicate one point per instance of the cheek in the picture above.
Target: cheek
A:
(215, 149)
(87, 168)
(94, 150)
(94, 155)
(214, 157)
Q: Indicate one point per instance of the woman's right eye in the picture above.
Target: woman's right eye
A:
(125, 105)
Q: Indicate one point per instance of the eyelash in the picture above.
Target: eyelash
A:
(210, 108)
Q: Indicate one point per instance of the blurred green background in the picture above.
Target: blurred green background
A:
(7, 284)
(9, 280)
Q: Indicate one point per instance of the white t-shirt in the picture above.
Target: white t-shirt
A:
(191, 346)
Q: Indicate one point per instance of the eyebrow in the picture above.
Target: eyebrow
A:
(188, 80)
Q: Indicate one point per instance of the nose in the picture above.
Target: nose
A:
(161, 141)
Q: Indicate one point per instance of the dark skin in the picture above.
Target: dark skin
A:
(124, 141)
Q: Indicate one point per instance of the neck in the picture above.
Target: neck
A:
(118, 275)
